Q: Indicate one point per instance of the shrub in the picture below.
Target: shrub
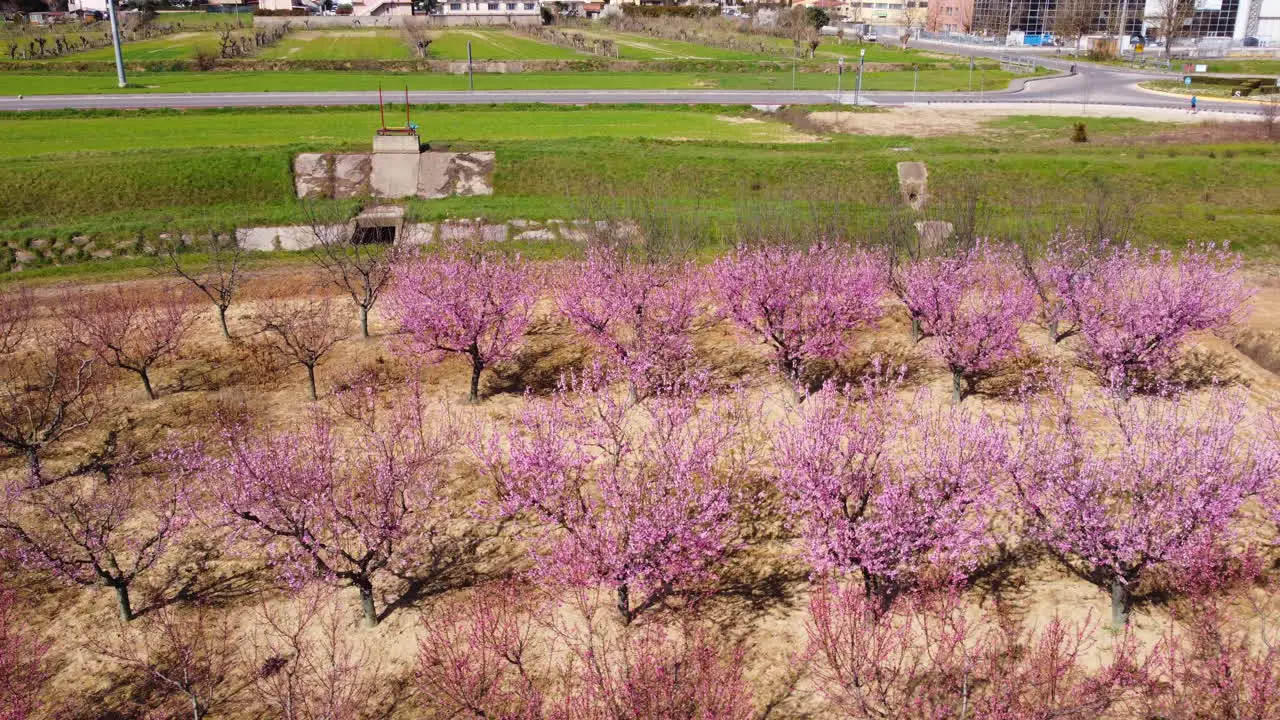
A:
(1079, 133)
(206, 59)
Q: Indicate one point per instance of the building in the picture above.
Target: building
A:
(950, 16)
(1035, 20)
(488, 11)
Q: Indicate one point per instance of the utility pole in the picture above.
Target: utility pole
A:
(471, 75)
(795, 52)
(1120, 33)
(857, 93)
(915, 81)
(115, 42)
(1008, 27)
(970, 74)
(839, 81)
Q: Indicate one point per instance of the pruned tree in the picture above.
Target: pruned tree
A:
(345, 510)
(361, 269)
(218, 275)
(303, 332)
(802, 303)
(929, 658)
(634, 498)
(972, 304)
(131, 328)
(192, 655)
(1073, 19)
(464, 302)
(642, 314)
(46, 396)
(22, 669)
(1137, 308)
(96, 530)
(1154, 484)
(901, 519)
(307, 666)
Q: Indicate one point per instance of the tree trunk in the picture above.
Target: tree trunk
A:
(311, 381)
(366, 604)
(916, 331)
(222, 320)
(197, 710)
(122, 599)
(477, 367)
(624, 604)
(959, 386)
(1053, 331)
(146, 383)
(33, 466)
(364, 321)
(1121, 603)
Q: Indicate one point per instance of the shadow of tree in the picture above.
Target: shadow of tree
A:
(453, 563)
(549, 353)
(199, 576)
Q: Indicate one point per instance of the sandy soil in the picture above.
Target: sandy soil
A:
(935, 120)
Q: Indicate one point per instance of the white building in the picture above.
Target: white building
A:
(487, 10)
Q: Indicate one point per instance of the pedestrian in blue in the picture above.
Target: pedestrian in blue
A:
(1193, 103)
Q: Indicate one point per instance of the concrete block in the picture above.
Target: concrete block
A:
(351, 175)
(433, 175)
(913, 181)
(472, 173)
(394, 175)
(311, 175)
(416, 234)
(934, 232)
(396, 144)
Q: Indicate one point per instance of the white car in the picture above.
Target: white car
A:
(870, 37)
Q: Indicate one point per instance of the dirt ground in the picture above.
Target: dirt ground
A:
(214, 375)
(938, 120)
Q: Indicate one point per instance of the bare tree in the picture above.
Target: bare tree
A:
(352, 261)
(1073, 19)
(193, 655)
(1173, 18)
(1270, 113)
(16, 311)
(218, 278)
(302, 332)
(44, 397)
(130, 328)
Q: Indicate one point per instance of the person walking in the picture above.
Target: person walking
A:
(1193, 103)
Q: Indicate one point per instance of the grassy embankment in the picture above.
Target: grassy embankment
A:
(153, 171)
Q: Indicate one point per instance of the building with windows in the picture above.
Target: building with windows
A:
(486, 11)
(950, 16)
(1034, 20)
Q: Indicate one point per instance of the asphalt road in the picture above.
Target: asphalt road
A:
(1091, 84)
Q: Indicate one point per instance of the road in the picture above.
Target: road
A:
(1092, 84)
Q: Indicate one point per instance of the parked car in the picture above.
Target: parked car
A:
(870, 37)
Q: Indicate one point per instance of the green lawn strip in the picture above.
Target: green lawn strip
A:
(339, 45)
(1245, 67)
(637, 46)
(339, 129)
(1201, 193)
(1201, 89)
(178, 82)
(494, 45)
(178, 46)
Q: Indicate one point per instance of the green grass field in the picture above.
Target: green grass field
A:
(178, 46)
(1249, 67)
(1200, 89)
(635, 46)
(494, 45)
(300, 81)
(160, 169)
(339, 45)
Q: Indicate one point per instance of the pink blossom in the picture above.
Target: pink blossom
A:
(631, 496)
(463, 302)
(1153, 483)
(22, 671)
(641, 314)
(897, 493)
(972, 305)
(801, 303)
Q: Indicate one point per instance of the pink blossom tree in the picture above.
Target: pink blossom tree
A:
(326, 507)
(1138, 307)
(91, 530)
(22, 669)
(1151, 484)
(306, 663)
(899, 494)
(131, 329)
(929, 657)
(1069, 261)
(463, 302)
(640, 313)
(802, 303)
(972, 304)
(632, 497)
(474, 659)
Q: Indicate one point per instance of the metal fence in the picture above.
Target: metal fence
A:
(1012, 64)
